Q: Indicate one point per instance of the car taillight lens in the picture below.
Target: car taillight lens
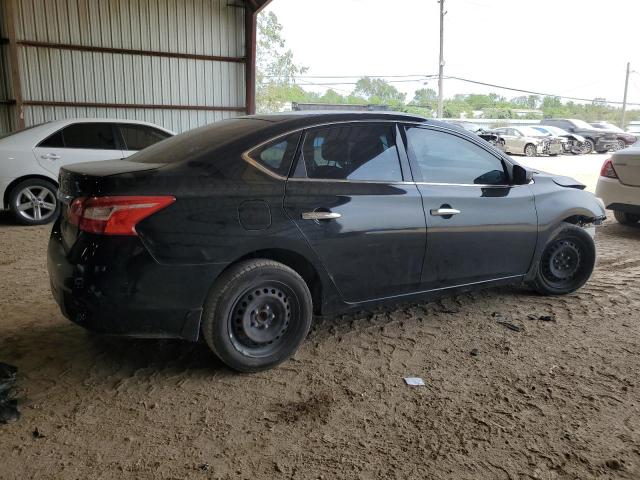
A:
(608, 170)
(114, 215)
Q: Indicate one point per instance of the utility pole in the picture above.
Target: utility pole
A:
(624, 99)
(441, 67)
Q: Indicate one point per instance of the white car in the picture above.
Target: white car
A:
(31, 158)
(619, 185)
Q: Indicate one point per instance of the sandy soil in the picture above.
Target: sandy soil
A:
(558, 399)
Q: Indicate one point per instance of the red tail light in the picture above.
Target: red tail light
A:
(608, 170)
(114, 215)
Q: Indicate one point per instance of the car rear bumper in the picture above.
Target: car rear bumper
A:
(606, 144)
(617, 196)
(113, 285)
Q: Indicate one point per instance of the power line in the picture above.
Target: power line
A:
(532, 92)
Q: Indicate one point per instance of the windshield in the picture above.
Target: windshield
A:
(554, 130)
(544, 130)
(581, 124)
(530, 132)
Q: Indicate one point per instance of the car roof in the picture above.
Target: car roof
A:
(33, 135)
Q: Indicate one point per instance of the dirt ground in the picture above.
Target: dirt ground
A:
(558, 399)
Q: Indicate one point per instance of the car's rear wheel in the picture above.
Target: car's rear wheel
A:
(530, 150)
(566, 262)
(33, 202)
(626, 218)
(588, 147)
(256, 315)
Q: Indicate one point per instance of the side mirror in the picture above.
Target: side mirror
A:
(521, 176)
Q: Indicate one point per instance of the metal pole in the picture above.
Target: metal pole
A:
(624, 99)
(441, 67)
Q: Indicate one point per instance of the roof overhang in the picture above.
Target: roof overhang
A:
(257, 5)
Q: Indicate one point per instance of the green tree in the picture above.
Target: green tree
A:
(276, 69)
(379, 91)
(425, 97)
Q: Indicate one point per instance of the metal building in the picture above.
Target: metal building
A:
(177, 63)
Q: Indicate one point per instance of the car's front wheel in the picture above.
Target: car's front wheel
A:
(588, 147)
(33, 202)
(626, 218)
(257, 314)
(566, 262)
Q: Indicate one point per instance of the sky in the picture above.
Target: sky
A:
(577, 48)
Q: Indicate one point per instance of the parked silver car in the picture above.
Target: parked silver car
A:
(529, 141)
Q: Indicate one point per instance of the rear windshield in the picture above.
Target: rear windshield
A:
(191, 143)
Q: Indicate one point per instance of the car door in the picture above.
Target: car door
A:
(349, 198)
(509, 139)
(78, 142)
(479, 227)
(136, 137)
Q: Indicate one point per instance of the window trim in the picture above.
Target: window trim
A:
(417, 172)
(401, 125)
(246, 155)
(115, 132)
(123, 142)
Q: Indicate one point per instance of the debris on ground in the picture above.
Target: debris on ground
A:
(37, 433)
(543, 318)
(510, 326)
(8, 405)
(474, 352)
(414, 381)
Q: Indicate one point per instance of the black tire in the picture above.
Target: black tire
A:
(247, 301)
(589, 146)
(601, 151)
(34, 202)
(624, 218)
(530, 150)
(621, 145)
(566, 262)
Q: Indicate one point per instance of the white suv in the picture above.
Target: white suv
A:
(619, 185)
(30, 159)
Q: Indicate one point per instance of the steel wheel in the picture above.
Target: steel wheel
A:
(257, 314)
(561, 262)
(36, 203)
(259, 319)
(566, 262)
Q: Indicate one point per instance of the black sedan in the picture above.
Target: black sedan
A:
(241, 231)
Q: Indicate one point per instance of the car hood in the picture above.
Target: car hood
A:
(560, 180)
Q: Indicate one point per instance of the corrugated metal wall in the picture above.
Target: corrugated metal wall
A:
(6, 112)
(203, 27)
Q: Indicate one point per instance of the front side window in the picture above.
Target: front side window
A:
(277, 155)
(138, 137)
(352, 152)
(94, 136)
(446, 158)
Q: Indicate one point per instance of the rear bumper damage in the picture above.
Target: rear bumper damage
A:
(114, 286)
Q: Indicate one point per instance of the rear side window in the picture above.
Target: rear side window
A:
(277, 155)
(352, 152)
(93, 136)
(139, 137)
(446, 158)
(54, 141)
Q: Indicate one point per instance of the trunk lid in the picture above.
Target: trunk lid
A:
(626, 163)
(110, 177)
